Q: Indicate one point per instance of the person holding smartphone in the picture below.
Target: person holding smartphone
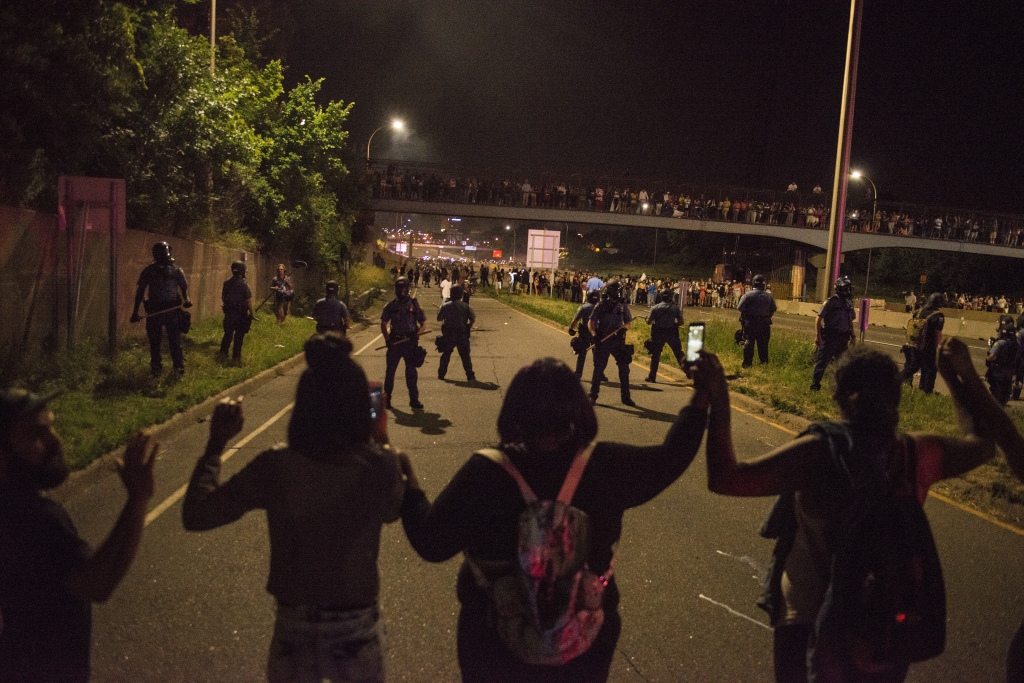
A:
(327, 494)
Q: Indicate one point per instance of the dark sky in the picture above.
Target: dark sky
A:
(727, 92)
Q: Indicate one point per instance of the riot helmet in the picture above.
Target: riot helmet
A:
(402, 287)
(593, 296)
(935, 300)
(844, 288)
(238, 268)
(612, 289)
(759, 282)
(332, 288)
(665, 296)
(162, 253)
(1007, 328)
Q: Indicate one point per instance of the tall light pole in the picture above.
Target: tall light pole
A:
(509, 227)
(396, 124)
(213, 32)
(838, 212)
(857, 175)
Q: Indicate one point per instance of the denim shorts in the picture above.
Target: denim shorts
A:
(317, 645)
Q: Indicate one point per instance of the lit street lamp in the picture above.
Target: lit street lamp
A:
(857, 175)
(509, 227)
(396, 124)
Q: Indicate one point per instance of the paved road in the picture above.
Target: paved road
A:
(193, 608)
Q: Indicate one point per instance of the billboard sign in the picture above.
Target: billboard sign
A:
(542, 249)
(496, 254)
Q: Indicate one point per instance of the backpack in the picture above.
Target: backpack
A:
(549, 608)
(885, 605)
(916, 328)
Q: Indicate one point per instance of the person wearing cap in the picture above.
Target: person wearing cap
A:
(236, 297)
(167, 295)
(331, 313)
(923, 356)
(49, 577)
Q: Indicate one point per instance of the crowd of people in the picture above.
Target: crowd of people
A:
(747, 206)
(537, 516)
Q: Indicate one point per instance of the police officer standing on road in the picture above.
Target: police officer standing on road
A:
(608, 324)
(581, 344)
(407, 322)
(456, 318)
(664, 319)
(237, 300)
(922, 347)
(168, 293)
(330, 313)
(833, 328)
(756, 310)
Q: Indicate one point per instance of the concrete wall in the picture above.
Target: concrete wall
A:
(35, 280)
(968, 324)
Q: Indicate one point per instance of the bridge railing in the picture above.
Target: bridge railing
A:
(435, 183)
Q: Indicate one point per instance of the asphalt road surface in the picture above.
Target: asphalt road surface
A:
(194, 608)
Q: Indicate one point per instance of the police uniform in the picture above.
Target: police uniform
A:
(665, 319)
(609, 315)
(330, 314)
(756, 310)
(837, 327)
(235, 296)
(165, 283)
(925, 358)
(1001, 367)
(581, 345)
(405, 318)
(456, 318)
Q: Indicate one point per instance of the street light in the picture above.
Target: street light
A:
(857, 175)
(396, 124)
(509, 227)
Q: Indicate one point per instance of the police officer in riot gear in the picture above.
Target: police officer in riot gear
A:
(1002, 360)
(236, 297)
(756, 310)
(608, 324)
(330, 313)
(581, 344)
(167, 295)
(456, 318)
(402, 323)
(664, 319)
(834, 328)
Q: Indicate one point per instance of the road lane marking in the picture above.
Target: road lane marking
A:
(176, 496)
(369, 344)
(741, 615)
(977, 513)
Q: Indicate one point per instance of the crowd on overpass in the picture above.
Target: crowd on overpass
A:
(788, 208)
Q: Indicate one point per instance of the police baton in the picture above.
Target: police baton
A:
(166, 310)
(418, 335)
(615, 332)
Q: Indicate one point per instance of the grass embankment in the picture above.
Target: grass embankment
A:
(783, 386)
(103, 401)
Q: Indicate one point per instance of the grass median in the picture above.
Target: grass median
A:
(783, 386)
(104, 401)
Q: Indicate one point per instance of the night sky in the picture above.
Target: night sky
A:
(717, 92)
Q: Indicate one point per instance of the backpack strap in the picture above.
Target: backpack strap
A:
(499, 457)
(572, 479)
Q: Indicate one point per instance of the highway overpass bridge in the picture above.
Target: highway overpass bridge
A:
(814, 237)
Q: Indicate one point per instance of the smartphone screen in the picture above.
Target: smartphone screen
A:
(694, 341)
(375, 393)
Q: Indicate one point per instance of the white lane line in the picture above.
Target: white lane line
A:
(176, 496)
(734, 612)
(369, 344)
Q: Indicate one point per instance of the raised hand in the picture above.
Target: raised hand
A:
(136, 469)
